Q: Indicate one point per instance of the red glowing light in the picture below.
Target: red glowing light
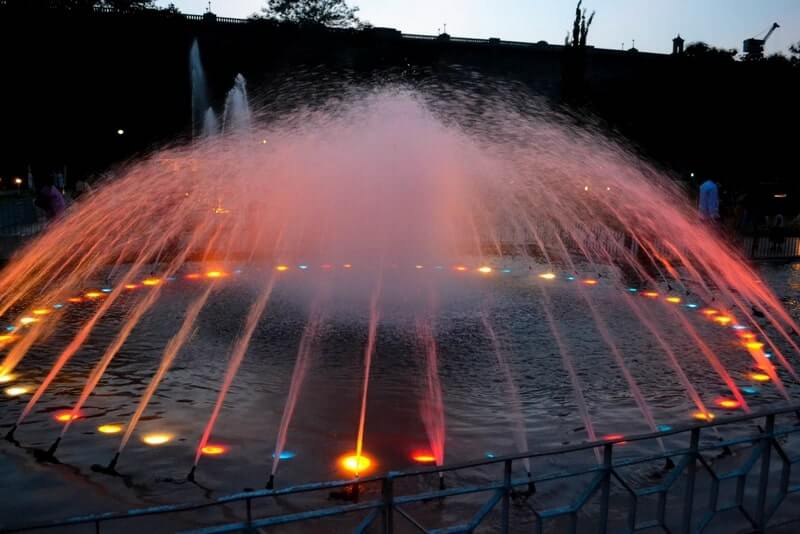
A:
(590, 282)
(747, 336)
(650, 294)
(729, 404)
(460, 268)
(710, 312)
(74, 300)
(194, 276)
(355, 464)
(213, 450)
(613, 437)
(63, 417)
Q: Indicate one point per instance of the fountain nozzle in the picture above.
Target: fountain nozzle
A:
(531, 485)
(190, 476)
(441, 482)
(10, 434)
(271, 482)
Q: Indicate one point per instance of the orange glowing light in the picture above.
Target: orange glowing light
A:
(729, 404)
(460, 268)
(650, 294)
(485, 269)
(703, 416)
(63, 417)
(42, 311)
(216, 274)
(614, 437)
(547, 276)
(27, 320)
(93, 295)
(724, 320)
(710, 312)
(193, 276)
(213, 450)
(156, 439)
(282, 268)
(131, 286)
(74, 299)
(5, 379)
(673, 300)
(16, 391)
(759, 377)
(151, 281)
(7, 337)
(747, 336)
(754, 345)
(423, 457)
(109, 429)
(355, 464)
(590, 282)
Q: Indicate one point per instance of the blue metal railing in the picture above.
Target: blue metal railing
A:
(768, 448)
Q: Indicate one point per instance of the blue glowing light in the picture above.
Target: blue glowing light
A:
(749, 390)
(739, 327)
(490, 455)
(169, 279)
(692, 305)
(11, 328)
(570, 278)
(285, 455)
(506, 270)
(632, 290)
(58, 306)
(303, 267)
(438, 267)
(768, 354)
(664, 428)
(106, 290)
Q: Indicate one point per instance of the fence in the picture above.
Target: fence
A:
(761, 483)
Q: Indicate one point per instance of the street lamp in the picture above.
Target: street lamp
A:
(18, 181)
(120, 132)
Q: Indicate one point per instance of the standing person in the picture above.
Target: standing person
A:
(50, 199)
(709, 201)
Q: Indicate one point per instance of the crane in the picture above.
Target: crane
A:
(753, 48)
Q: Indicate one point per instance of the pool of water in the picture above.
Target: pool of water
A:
(477, 397)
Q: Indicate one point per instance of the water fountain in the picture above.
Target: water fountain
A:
(377, 204)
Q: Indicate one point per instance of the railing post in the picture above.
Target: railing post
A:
(506, 509)
(97, 527)
(249, 513)
(388, 504)
(688, 498)
(763, 481)
(605, 496)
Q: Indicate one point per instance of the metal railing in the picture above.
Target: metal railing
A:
(778, 247)
(608, 484)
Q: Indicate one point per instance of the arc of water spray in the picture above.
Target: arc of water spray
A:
(432, 405)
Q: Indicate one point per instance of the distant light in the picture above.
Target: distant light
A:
(664, 428)
(156, 439)
(692, 175)
(237, 271)
(303, 267)
(491, 455)
(780, 195)
(768, 354)
(710, 312)
(106, 290)
(285, 455)
(729, 404)
(460, 268)
(703, 416)
(42, 311)
(326, 266)
(506, 270)
(586, 188)
(120, 132)
(650, 294)
(418, 267)
(754, 345)
(692, 305)
(18, 181)
(131, 286)
(673, 300)
(759, 377)
(93, 295)
(485, 269)
(570, 278)
(151, 281)
(282, 268)
(632, 290)
(608, 189)
(27, 320)
(355, 464)
(16, 391)
(263, 141)
(7, 337)
(590, 282)
(423, 457)
(109, 429)
(213, 450)
(547, 276)
(348, 265)
(724, 320)
(170, 279)
(63, 417)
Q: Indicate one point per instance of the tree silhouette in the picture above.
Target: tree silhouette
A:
(702, 50)
(794, 52)
(331, 13)
(580, 28)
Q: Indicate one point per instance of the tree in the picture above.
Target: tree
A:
(794, 53)
(331, 13)
(704, 51)
(128, 5)
(580, 28)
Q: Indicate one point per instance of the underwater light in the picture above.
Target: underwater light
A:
(93, 295)
(710, 312)
(754, 345)
(42, 311)
(485, 269)
(673, 300)
(506, 270)
(355, 464)
(131, 286)
(632, 290)
(664, 428)
(106, 290)
(759, 377)
(16, 391)
(570, 278)
(749, 390)
(547, 276)
(423, 457)
(348, 265)
(691, 305)
(5, 379)
(303, 267)
(285, 455)
(7, 337)
(739, 327)
(460, 268)
(419, 267)
(326, 266)
(724, 320)
(216, 274)
(151, 281)
(109, 429)
(213, 450)
(10, 328)
(650, 294)
(729, 404)
(27, 320)
(703, 416)
(193, 276)
(282, 268)
(590, 282)
(156, 439)
(63, 417)
(75, 300)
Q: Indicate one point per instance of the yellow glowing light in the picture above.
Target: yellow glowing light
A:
(759, 377)
(131, 286)
(728, 403)
(754, 345)
(460, 268)
(28, 320)
(282, 268)
(109, 429)
(93, 295)
(75, 299)
(16, 391)
(356, 464)
(156, 439)
(710, 312)
(221, 211)
(673, 300)
(485, 269)
(424, 458)
(213, 450)
(216, 274)
(151, 281)
(723, 320)
(5, 379)
(650, 294)
(63, 417)
(590, 282)
(7, 337)
(547, 276)
(703, 416)
(42, 311)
